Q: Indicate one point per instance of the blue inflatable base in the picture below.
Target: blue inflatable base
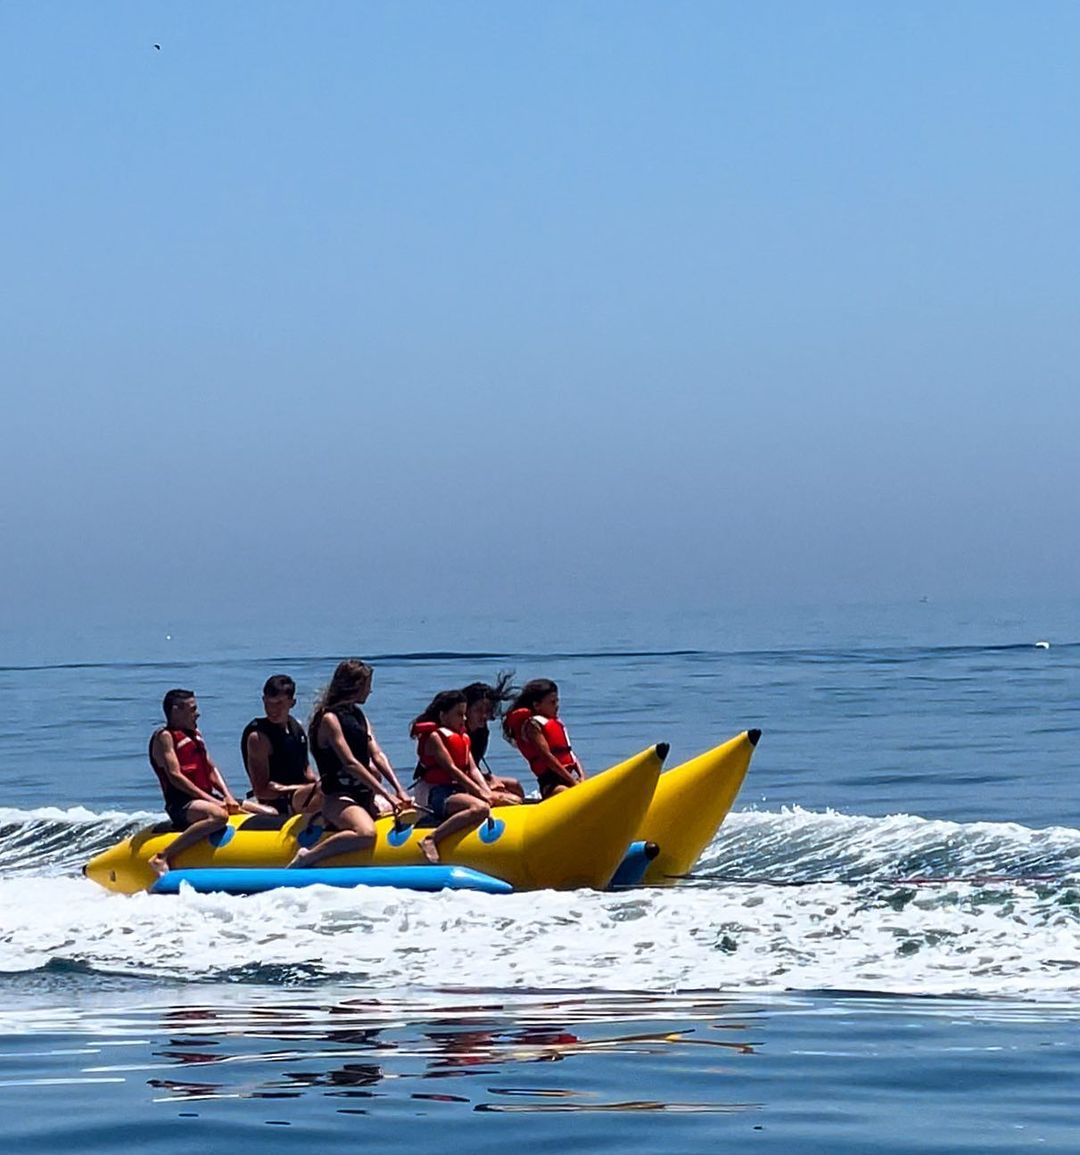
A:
(255, 880)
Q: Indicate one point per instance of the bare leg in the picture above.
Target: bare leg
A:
(507, 786)
(307, 800)
(209, 817)
(356, 831)
(252, 806)
(500, 797)
(465, 812)
(560, 789)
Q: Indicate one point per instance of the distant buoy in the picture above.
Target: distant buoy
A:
(168, 638)
(1042, 645)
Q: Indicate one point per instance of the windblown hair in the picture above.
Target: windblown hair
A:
(531, 693)
(174, 698)
(350, 677)
(502, 691)
(443, 701)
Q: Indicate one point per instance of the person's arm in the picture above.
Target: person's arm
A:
(330, 729)
(218, 780)
(380, 761)
(165, 757)
(259, 750)
(258, 765)
(486, 780)
(437, 751)
(537, 738)
(577, 761)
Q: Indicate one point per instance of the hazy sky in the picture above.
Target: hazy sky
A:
(529, 305)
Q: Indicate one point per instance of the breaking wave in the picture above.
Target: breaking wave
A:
(782, 901)
(791, 846)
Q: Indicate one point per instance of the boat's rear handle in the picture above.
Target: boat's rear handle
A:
(634, 864)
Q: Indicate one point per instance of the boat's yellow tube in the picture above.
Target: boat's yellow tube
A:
(575, 839)
(690, 803)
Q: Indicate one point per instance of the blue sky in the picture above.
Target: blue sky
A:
(532, 306)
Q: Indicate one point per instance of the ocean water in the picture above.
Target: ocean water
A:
(880, 951)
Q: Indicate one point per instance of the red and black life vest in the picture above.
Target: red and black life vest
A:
(457, 745)
(554, 732)
(193, 758)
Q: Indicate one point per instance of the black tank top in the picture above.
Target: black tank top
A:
(288, 749)
(479, 740)
(334, 777)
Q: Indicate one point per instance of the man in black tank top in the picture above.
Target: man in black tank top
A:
(275, 753)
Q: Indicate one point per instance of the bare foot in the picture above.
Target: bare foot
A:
(158, 864)
(298, 858)
(429, 850)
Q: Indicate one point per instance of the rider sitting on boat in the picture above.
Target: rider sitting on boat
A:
(532, 724)
(196, 798)
(275, 753)
(448, 781)
(482, 705)
(351, 765)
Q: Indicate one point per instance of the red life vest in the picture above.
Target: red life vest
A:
(457, 745)
(554, 732)
(193, 758)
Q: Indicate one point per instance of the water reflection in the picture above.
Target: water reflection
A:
(368, 1049)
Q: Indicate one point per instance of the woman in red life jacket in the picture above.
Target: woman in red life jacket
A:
(532, 725)
(448, 782)
(483, 703)
(352, 766)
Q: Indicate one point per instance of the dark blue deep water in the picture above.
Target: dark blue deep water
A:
(879, 952)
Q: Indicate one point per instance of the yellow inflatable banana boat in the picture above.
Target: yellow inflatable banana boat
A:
(575, 839)
(690, 803)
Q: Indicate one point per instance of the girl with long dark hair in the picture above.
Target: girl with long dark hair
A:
(532, 724)
(448, 782)
(483, 704)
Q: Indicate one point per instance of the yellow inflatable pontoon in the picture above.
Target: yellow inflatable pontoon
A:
(690, 803)
(575, 839)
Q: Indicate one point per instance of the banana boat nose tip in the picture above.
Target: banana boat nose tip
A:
(651, 850)
(754, 736)
(662, 749)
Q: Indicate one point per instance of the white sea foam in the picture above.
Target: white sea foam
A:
(794, 900)
(796, 844)
(1016, 939)
(74, 815)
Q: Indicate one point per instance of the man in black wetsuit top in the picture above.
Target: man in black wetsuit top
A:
(275, 753)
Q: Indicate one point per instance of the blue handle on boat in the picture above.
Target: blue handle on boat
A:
(633, 866)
